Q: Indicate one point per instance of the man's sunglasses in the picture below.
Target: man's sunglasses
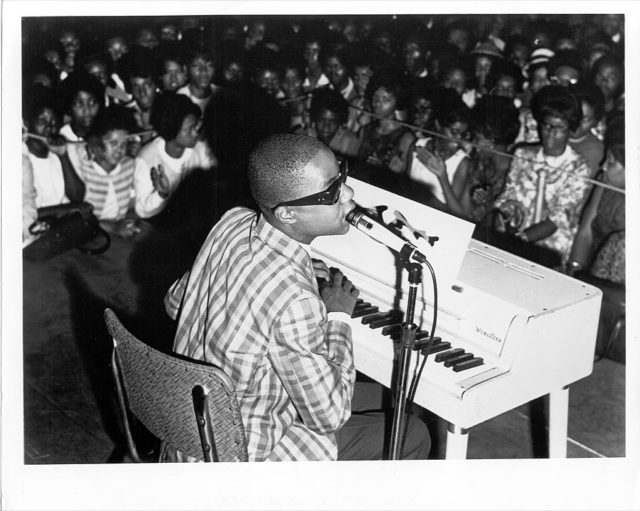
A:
(327, 197)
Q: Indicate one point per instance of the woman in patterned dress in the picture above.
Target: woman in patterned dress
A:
(551, 218)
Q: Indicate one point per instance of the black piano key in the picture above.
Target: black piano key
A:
(390, 318)
(467, 364)
(460, 358)
(396, 335)
(421, 334)
(423, 341)
(436, 347)
(370, 317)
(381, 316)
(392, 330)
(441, 357)
(364, 311)
(360, 303)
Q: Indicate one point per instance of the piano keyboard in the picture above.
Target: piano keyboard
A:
(447, 361)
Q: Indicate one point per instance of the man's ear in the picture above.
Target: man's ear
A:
(285, 215)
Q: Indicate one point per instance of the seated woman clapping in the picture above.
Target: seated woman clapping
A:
(441, 162)
(171, 156)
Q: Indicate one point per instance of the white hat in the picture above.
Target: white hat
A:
(538, 56)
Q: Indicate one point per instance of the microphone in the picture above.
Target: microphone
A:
(361, 221)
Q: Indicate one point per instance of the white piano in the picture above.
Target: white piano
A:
(534, 329)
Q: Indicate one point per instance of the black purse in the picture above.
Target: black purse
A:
(76, 228)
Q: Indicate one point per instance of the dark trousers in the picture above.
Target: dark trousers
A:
(366, 435)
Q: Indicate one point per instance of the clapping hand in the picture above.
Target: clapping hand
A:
(396, 164)
(160, 181)
(432, 161)
(480, 194)
(374, 159)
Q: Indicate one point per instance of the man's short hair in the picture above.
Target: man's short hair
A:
(276, 167)
(139, 63)
(193, 52)
(338, 51)
(328, 99)
(168, 52)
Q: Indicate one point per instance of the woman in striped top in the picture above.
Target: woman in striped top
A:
(108, 172)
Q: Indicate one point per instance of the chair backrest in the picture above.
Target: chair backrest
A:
(162, 391)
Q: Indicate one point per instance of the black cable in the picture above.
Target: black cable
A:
(416, 377)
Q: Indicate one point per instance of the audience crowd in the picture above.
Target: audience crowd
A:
(514, 122)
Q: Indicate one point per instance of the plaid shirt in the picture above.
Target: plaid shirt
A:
(251, 306)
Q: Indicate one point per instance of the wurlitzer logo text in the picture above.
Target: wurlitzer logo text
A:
(488, 335)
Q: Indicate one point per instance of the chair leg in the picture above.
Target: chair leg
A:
(123, 408)
(615, 333)
(201, 408)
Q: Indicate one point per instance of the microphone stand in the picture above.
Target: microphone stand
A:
(408, 343)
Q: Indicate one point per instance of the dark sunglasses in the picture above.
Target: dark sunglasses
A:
(327, 197)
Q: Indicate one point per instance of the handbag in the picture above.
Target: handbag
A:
(76, 228)
(609, 263)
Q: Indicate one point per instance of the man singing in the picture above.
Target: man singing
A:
(251, 305)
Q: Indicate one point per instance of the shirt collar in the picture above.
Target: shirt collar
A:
(554, 161)
(283, 244)
(306, 248)
(100, 170)
(348, 90)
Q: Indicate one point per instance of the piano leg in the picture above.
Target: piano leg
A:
(457, 440)
(558, 422)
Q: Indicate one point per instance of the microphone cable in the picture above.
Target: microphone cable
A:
(417, 373)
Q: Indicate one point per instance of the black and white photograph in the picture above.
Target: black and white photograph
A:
(384, 241)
